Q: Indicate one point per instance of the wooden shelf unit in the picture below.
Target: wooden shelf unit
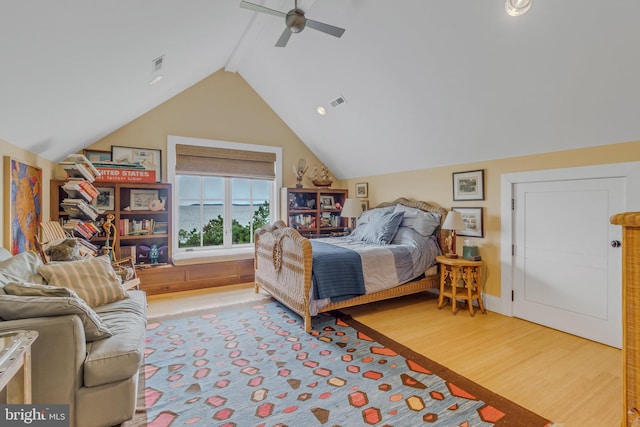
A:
(302, 209)
(122, 199)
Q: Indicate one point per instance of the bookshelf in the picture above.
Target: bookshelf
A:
(313, 211)
(140, 224)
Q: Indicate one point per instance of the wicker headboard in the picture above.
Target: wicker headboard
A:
(424, 206)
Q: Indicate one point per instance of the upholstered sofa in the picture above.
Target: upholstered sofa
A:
(87, 355)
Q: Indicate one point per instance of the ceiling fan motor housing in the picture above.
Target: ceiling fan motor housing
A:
(295, 20)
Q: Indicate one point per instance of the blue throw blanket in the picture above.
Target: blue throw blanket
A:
(336, 272)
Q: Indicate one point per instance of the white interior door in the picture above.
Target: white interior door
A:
(566, 274)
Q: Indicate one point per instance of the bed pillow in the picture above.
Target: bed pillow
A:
(425, 223)
(21, 267)
(29, 300)
(93, 279)
(370, 214)
(382, 229)
(366, 217)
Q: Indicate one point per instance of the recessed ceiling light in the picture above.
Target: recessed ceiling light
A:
(156, 79)
(517, 7)
(321, 110)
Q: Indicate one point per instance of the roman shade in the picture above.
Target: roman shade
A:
(224, 162)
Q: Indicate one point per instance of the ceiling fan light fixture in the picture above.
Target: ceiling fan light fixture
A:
(517, 7)
(295, 20)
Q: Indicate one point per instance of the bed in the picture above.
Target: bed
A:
(284, 259)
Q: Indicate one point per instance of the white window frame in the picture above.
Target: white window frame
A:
(194, 255)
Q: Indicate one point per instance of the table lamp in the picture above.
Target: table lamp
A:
(453, 222)
(352, 209)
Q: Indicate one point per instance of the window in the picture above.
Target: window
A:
(223, 192)
(215, 212)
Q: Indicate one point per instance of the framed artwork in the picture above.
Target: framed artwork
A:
(468, 185)
(160, 227)
(149, 158)
(362, 190)
(472, 217)
(22, 205)
(364, 204)
(106, 199)
(140, 199)
(97, 156)
(327, 202)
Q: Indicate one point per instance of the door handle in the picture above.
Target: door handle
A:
(615, 243)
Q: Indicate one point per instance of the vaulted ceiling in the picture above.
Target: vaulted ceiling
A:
(426, 83)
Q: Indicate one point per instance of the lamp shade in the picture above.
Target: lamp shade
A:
(351, 209)
(453, 221)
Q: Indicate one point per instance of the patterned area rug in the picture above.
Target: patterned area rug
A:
(255, 366)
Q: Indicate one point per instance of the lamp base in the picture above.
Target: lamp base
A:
(451, 255)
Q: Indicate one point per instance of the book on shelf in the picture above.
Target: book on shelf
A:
(80, 188)
(80, 159)
(135, 227)
(76, 227)
(78, 208)
(87, 248)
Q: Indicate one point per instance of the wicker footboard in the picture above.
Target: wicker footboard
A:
(283, 267)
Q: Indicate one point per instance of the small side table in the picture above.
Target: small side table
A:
(15, 365)
(460, 279)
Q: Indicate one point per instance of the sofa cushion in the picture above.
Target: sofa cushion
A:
(35, 300)
(93, 279)
(120, 356)
(21, 267)
(4, 254)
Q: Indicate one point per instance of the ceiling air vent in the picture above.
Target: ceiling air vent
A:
(156, 64)
(338, 101)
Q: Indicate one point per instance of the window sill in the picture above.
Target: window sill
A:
(203, 257)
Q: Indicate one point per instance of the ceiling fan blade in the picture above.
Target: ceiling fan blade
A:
(325, 28)
(258, 8)
(284, 38)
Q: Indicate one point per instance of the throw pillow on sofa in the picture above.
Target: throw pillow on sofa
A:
(29, 300)
(93, 279)
(21, 267)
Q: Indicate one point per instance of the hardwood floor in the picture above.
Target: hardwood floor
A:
(570, 380)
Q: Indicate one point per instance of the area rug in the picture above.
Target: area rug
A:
(255, 366)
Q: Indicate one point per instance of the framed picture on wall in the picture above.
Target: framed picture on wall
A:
(97, 156)
(22, 205)
(362, 190)
(468, 185)
(149, 158)
(472, 217)
(140, 199)
(364, 204)
(106, 199)
(327, 202)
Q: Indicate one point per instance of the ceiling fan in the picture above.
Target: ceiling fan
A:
(295, 22)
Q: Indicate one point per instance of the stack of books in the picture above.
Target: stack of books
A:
(78, 208)
(78, 166)
(76, 227)
(78, 188)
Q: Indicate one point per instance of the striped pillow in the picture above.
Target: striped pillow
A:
(93, 279)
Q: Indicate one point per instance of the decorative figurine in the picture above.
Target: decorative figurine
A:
(154, 253)
(157, 205)
(110, 230)
(321, 179)
(300, 169)
(151, 253)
